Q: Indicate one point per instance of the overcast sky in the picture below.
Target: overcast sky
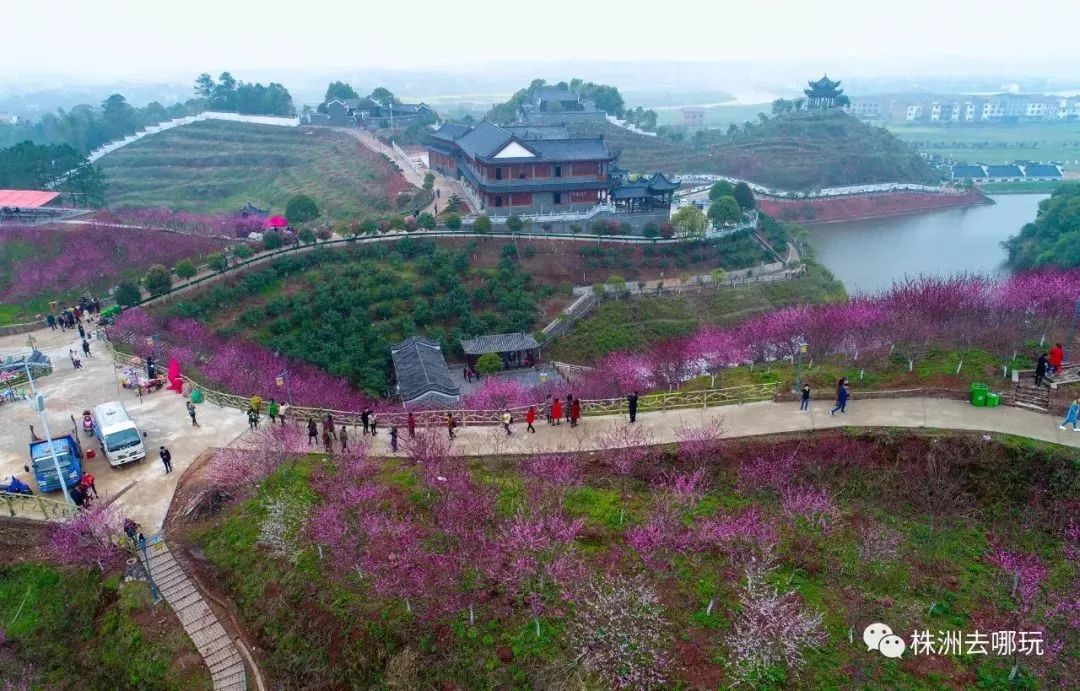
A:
(141, 39)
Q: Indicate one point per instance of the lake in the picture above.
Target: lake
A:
(869, 255)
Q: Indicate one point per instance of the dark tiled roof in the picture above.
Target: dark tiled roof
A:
(536, 132)
(570, 149)
(499, 343)
(421, 371)
(1038, 170)
(484, 139)
(450, 131)
(630, 192)
(551, 93)
(973, 172)
(1004, 172)
(660, 183)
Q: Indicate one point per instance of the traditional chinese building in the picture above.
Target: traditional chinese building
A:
(824, 93)
(521, 169)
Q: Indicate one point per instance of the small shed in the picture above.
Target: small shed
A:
(422, 374)
(516, 349)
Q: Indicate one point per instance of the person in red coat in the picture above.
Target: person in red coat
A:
(1057, 356)
(575, 412)
(530, 417)
(556, 410)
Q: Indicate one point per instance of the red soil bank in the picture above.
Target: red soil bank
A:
(848, 208)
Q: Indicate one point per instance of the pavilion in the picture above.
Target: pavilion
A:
(645, 194)
(516, 349)
(26, 205)
(824, 93)
(422, 374)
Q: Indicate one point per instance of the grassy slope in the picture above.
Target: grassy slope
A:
(798, 151)
(220, 166)
(999, 143)
(637, 322)
(327, 629)
(78, 629)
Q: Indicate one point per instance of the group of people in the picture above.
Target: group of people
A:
(82, 491)
(842, 394)
(71, 317)
(1049, 362)
(274, 410)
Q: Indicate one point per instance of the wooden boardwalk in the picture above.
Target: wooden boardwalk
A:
(218, 650)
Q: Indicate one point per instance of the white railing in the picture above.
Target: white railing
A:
(707, 179)
(627, 126)
(590, 213)
(404, 157)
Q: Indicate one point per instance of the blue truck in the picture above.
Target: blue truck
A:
(69, 457)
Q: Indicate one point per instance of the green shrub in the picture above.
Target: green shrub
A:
(452, 221)
(271, 240)
(243, 251)
(185, 268)
(128, 294)
(482, 224)
(158, 280)
(306, 236)
(217, 261)
(489, 363)
(301, 209)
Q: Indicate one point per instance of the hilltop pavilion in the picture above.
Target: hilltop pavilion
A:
(824, 93)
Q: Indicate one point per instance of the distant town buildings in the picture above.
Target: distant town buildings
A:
(370, 113)
(1022, 172)
(1005, 107)
(693, 116)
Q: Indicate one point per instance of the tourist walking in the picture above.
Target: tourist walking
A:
(547, 409)
(1072, 415)
(86, 348)
(841, 398)
(327, 442)
(272, 410)
(569, 406)
(556, 411)
(364, 418)
(450, 424)
(78, 497)
(805, 405)
(74, 362)
(1040, 369)
(312, 431)
(256, 403)
(506, 420)
(530, 418)
(343, 437)
(393, 438)
(191, 413)
(86, 484)
(631, 405)
(373, 420)
(166, 459)
(82, 331)
(328, 426)
(253, 419)
(410, 423)
(1057, 356)
(51, 321)
(575, 412)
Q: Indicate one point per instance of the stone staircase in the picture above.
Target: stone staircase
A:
(1026, 395)
(218, 651)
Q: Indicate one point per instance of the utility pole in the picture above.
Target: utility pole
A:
(38, 403)
(1072, 333)
(798, 366)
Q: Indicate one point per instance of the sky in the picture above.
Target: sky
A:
(138, 40)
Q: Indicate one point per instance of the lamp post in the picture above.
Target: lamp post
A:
(282, 380)
(38, 404)
(798, 366)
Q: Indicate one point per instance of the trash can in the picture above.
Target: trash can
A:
(993, 400)
(979, 392)
(196, 396)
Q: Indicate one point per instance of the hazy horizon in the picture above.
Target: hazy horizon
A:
(110, 40)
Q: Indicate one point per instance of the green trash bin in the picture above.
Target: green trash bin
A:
(979, 392)
(196, 396)
(993, 400)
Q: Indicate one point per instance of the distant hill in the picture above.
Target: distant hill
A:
(796, 151)
(220, 166)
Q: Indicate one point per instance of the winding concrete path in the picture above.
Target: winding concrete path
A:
(756, 419)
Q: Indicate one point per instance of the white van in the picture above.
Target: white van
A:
(120, 439)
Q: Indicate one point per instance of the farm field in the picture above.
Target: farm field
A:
(999, 143)
(221, 166)
(707, 563)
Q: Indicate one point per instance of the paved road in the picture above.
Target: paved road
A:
(161, 415)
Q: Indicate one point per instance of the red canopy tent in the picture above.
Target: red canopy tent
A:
(275, 221)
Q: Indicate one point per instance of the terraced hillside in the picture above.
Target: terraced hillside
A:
(220, 166)
(797, 151)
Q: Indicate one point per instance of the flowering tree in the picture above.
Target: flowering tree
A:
(771, 628)
(90, 538)
(619, 630)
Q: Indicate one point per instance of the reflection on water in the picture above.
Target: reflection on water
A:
(869, 255)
